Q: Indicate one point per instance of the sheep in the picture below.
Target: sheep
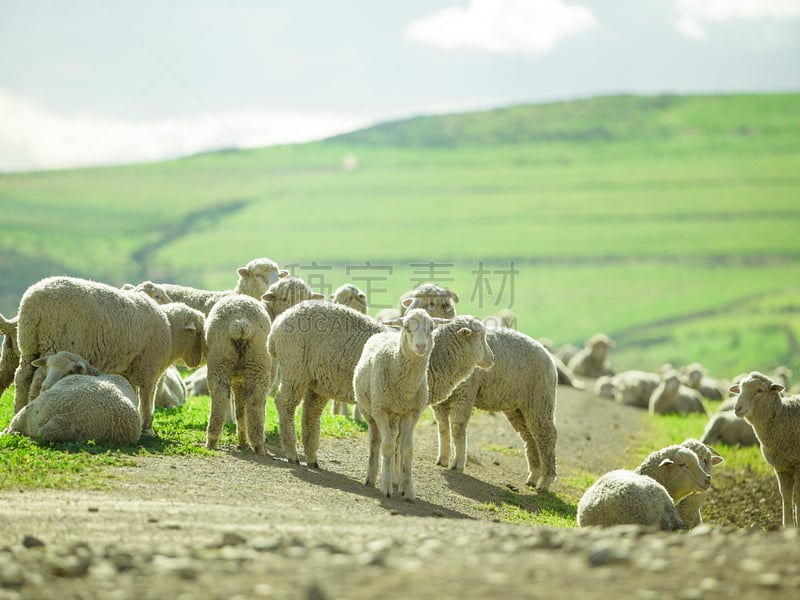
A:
(170, 389)
(285, 293)
(236, 340)
(82, 404)
(522, 384)
(776, 421)
(437, 301)
(316, 347)
(592, 359)
(671, 396)
(390, 386)
(119, 332)
(604, 386)
(648, 494)
(634, 388)
(9, 354)
(696, 378)
(726, 428)
(155, 291)
(689, 507)
(254, 280)
(197, 382)
(350, 295)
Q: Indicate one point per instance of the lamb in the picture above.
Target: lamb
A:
(776, 421)
(119, 332)
(170, 389)
(592, 359)
(236, 338)
(696, 378)
(390, 386)
(522, 384)
(316, 347)
(350, 295)
(155, 291)
(254, 280)
(634, 388)
(646, 495)
(285, 293)
(9, 354)
(689, 507)
(671, 396)
(726, 428)
(82, 404)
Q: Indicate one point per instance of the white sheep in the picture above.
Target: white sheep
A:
(646, 495)
(439, 302)
(634, 387)
(254, 280)
(285, 293)
(9, 354)
(316, 347)
(390, 384)
(724, 427)
(604, 386)
(170, 389)
(155, 291)
(671, 396)
(776, 421)
(350, 295)
(238, 365)
(522, 385)
(118, 331)
(689, 506)
(592, 359)
(81, 404)
(696, 378)
(197, 382)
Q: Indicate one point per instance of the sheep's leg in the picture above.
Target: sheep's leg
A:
(22, 382)
(387, 451)
(442, 413)
(239, 400)
(544, 435)
(220, 392)
(796, 498)
(786, 489)
(374, 437)
(407, 424)
(313, 405)
(517, 421)
(341, 408)
(255, 393)
(461, 405)
(286, 401)
(39, 375)
(147, 398)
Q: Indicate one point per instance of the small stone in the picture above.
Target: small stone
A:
(770, 580)
(93, 509)
(30, 541)
(232, 539)
(601, 555)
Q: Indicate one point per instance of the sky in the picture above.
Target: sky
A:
(95, 82)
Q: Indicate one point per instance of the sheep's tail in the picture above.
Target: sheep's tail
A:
(240, 329)
(271, 345)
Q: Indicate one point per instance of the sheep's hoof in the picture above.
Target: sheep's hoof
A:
(148, 432)
(314, 465)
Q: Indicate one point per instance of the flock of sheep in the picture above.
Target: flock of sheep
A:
(91, 361)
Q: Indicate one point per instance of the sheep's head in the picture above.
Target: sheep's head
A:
(599, 344)
(683, 467)
(416, 332)
(753, 390)
(351, 296)
(437, 301)
(154, 291)
(257, 275)
(605, 387)
(188, 339)
(706, 455)
(62, 364)
(671, 381)
(285, 293)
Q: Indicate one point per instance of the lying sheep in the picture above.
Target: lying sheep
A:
(646, 495)
(82, 404)
(9, 354)
(238, 364)
(390, 385)
(316, 347)
(254, 280)
(634, 388)
(776, 421)
(285, 293)
(697, 378)
(118, 331)
(671, 396)
(197, 382)
(521, 384)
(170, 389)
(350, 295)
(724, 427)
(689, 507)
(592, 359)
(565, 374)
(604, 386)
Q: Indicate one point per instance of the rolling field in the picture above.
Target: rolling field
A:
(668, 223)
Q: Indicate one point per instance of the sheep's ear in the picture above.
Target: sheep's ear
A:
(83, 367)
(438, 321)
(776, 387)
(716, 460)
(452, 294)
(190, 326)
(282, 273)
(407, 302)
(243, 272)
(39, 362)
(396, 322)
(317, 296)
(127, 287)
(465, 332)
(665, 462)
(734, 389)
(268, 296)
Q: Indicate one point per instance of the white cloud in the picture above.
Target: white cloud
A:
(32, 138)
(503, 26)
(692, 14)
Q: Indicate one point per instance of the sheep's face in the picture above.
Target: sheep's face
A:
(286, 293)
(440, 306)
(751, 390)
(256, 277)
(417, 332)
(59, 365)
(351, 296)
(688, 466)
(604, 386)
(193, 339)
(672, 383)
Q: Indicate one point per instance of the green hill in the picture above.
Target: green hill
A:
(667, 222)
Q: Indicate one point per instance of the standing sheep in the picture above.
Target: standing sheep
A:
(689, 507)
(522, 384)
(81, 404)
(647, 495)
(390, 385)
(439, 302)
(118, 331)
(776, 421)
(236, 338)
(592, 359)
(9, 354)
(350, 295)
(285, 293)
(671, 396)
(254, 280)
